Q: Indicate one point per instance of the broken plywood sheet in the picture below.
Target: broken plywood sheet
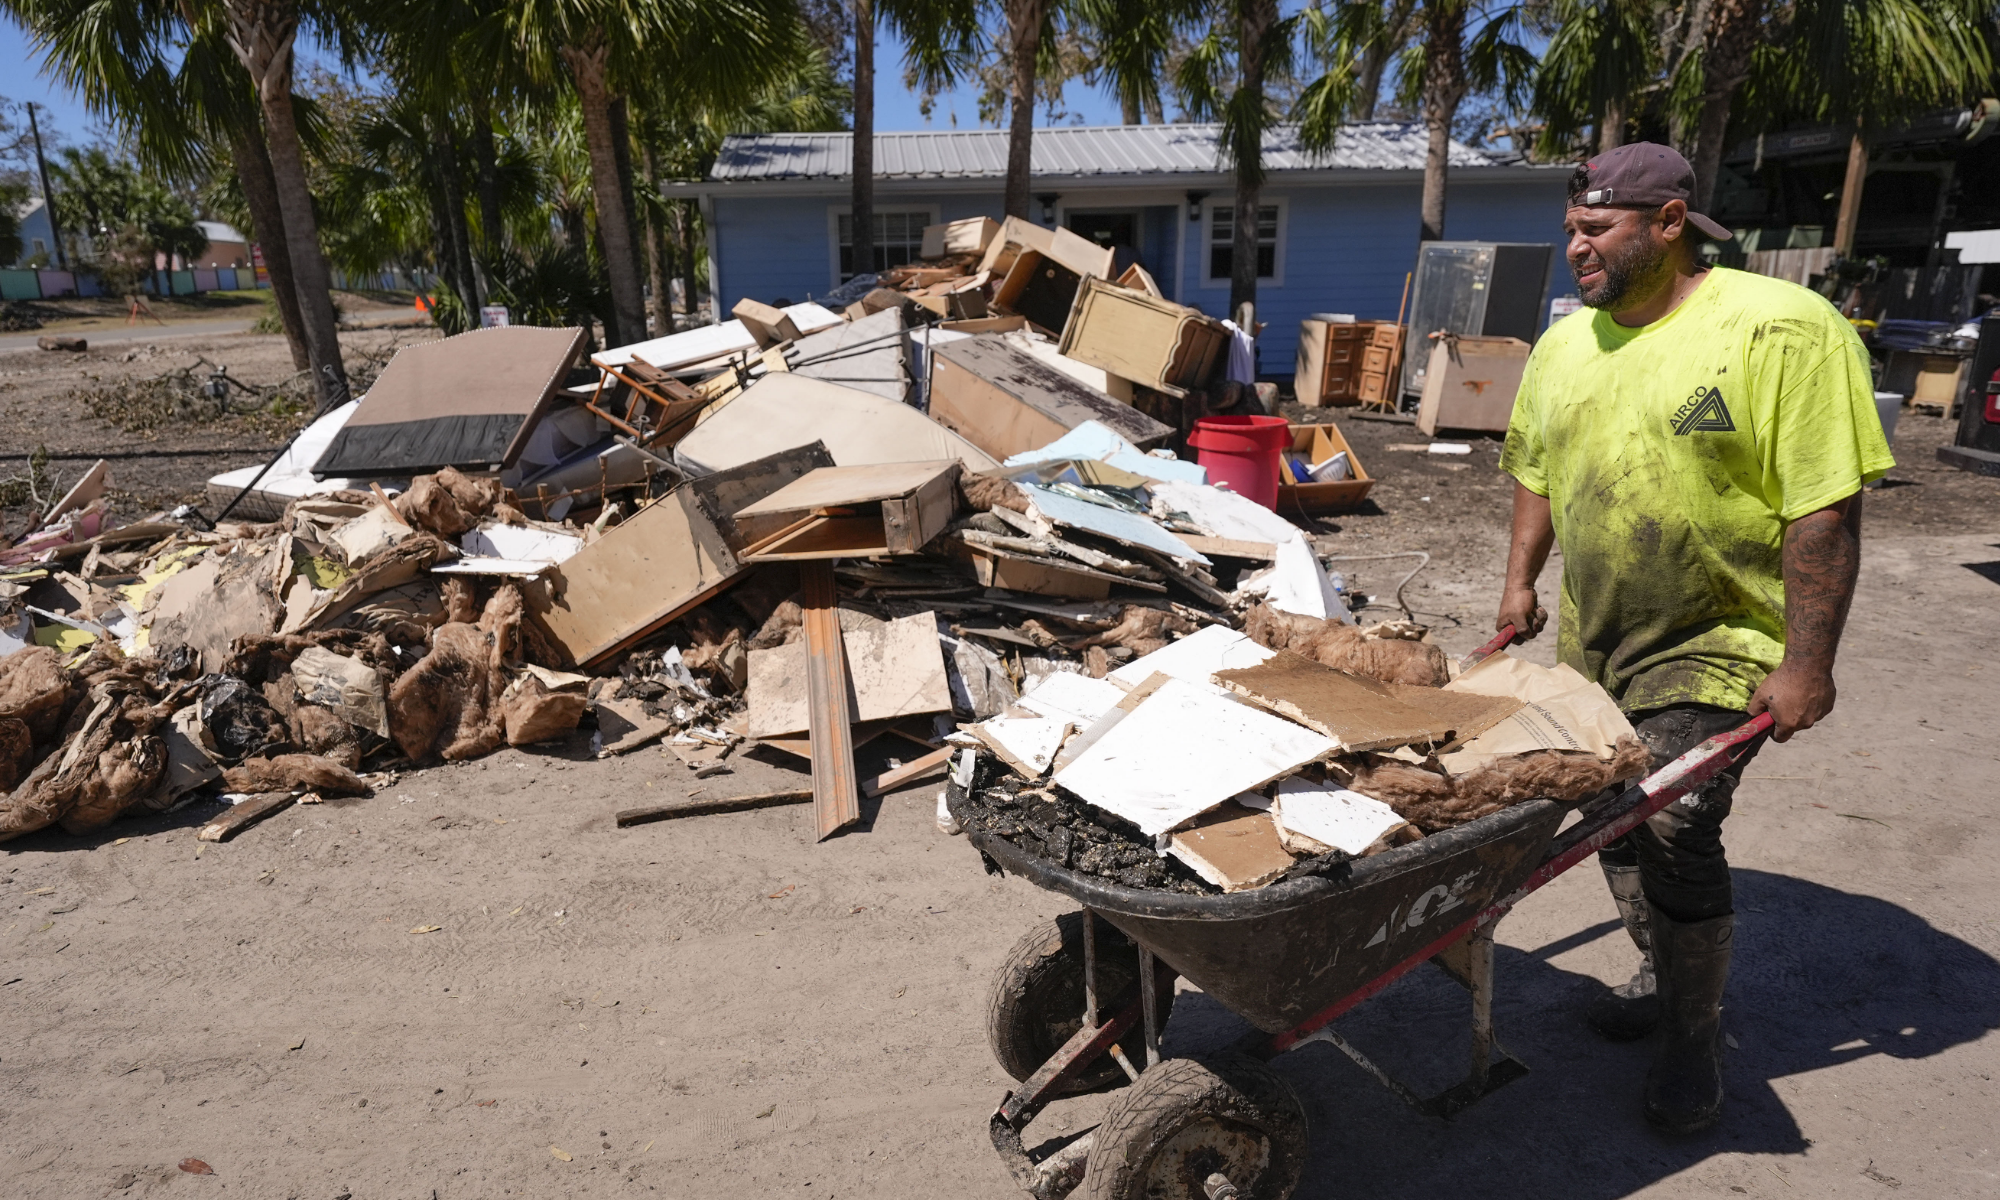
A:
(1313, 818)
(1184, 750)
(842, 512)
(624, 726)
(785, 410)
(1359, 713)
(1195, 658)
(636, 577)
(1235, 848)
(894, 670)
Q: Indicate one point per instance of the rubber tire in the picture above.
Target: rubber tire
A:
(1140, 1151)
(1036, 1003)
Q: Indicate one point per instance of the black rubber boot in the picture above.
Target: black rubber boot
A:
(1684, 1088)
(1631, 1010)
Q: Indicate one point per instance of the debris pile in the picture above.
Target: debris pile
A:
(953, 497)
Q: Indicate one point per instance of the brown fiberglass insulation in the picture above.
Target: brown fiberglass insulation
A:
(1433, 801)
(1330, 643)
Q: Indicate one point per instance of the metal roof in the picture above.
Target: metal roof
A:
(1069, 151)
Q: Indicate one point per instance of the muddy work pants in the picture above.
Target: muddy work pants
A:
(1679, 849)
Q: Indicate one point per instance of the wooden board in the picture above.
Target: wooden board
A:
(997, 569)
(840, 486)
(723, 495)
(894, 670)
(1468, 713)
(970, 235)
(1153, 342)
(851, 512)
(836, 791)
(1359, 713)
(667, 558)
(915, 769)
(697, 806)
(243, 815)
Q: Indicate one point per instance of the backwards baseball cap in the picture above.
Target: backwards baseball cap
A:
(1641, 175)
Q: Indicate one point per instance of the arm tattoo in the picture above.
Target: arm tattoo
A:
(1822, 557)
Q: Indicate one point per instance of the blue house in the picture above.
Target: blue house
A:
(1337, 234)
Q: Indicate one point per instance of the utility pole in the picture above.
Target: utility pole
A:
(48, 199)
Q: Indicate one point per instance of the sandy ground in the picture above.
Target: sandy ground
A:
(720, 1007)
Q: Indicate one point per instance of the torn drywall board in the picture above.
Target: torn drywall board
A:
(1184, 750)
(466, 401)
(1330, 817)
(894, 669)
(1235, 848)
(852, 512)
(784, 410)
(1075, 698)
(1468, 713)
(521, 542)
(1026, 744)
(1007, 401)
(1195, 658)
(866, 355)
(1126, 528)
(1359, 713)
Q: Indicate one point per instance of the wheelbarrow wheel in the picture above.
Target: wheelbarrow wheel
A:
(1037, 1000)
(1189, 1119)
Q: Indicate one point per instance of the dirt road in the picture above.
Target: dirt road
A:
(719, 1007)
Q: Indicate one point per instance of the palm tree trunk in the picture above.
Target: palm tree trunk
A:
(262, 34)
(614, 220)
(1024, 46)
(685, 210)
(1375, 59)
(1444, 90)
(1850, 195)
(658, 266)
(1611, 125)
(1733, 29)
(621, 139)
(861, 205)
(487, 158)
(267, 225)
(1254, 21)
(454, 215)
(1128, 109)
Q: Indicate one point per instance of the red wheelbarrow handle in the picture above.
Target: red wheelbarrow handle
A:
(1501, 641)
(1603, 825)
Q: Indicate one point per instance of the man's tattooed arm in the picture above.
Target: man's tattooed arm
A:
(1822, 559)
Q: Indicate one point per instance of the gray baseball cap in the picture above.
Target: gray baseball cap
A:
(1643, 175)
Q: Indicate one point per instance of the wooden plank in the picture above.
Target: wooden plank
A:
(695, 807)
(242, 816)
(836, 792)
(1005, 400)
(893, 670)
(1232, 547)
(637, 577)
(830, 487)
(916, 768)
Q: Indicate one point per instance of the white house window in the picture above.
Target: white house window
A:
(1222, 242)
(899, 238)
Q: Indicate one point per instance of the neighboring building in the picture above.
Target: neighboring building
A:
(226, 247)
(38, 240)
(1338, 234)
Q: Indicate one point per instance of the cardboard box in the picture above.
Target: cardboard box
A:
(1317, 443)
(1004, 400)
(1470, 384)
(969, 236)
(1152, 342)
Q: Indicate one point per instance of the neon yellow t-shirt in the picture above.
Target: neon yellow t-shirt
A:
(1673, 456)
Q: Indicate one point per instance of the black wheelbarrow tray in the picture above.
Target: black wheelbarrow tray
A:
(1076, 1003)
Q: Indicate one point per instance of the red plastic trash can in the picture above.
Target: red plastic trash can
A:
(1244, 453)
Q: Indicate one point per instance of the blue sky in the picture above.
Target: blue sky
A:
(895, 106)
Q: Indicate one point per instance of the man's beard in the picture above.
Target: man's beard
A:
(1633, 269)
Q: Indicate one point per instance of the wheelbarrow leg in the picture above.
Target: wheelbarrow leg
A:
(1470, 963)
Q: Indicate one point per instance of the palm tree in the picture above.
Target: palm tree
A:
(1600, 55)
(183, 116)
(1129, 42)
(939, 36)
(607, 48)
(264, 33)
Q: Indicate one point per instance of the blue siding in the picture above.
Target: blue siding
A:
(1347, 248)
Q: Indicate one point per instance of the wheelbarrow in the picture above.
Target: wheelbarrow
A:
(1079, 1004)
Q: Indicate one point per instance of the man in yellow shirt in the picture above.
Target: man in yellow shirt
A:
(1696, 440)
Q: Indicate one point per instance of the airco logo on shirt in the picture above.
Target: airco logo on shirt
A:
(1703, 412)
